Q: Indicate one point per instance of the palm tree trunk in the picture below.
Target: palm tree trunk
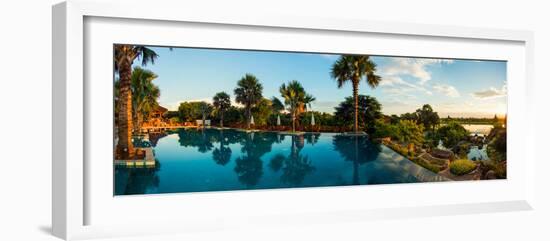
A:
(139, 120)
(203, 120)
(125, 146)
(293, 121)
(356, 104)
(248, 117)
(221, 121)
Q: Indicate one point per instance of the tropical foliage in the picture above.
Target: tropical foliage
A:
(190, 111)
(124, 56)
(296, 99)
(205, 110)
(277, 105)
(354, 68)
(497, 144)
(383, 129)
(221, 102)
(248, 93)
(144, 94)
(462, 166)
(410, 132)
(368, 109)
(262, 111)
(427, 117)
(451, 134)
(136, 97)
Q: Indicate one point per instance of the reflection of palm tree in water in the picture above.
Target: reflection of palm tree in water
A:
(155, 137)
(357, 149)
(136, 180)
(312, 138)
(249, 166)
(276, 162)
(202, 140)
(222, 155)
(295, 166)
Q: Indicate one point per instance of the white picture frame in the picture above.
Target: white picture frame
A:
(76, 199)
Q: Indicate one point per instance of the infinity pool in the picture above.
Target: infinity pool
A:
(220, 160)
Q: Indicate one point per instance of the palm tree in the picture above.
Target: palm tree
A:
(248, 93)
(296, 99)
(277, 105)
(205, 110)
(124, 57)
(144, 94)
(221, 102)
(353, 68)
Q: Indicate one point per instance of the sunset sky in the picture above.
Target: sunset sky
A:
(459, 88)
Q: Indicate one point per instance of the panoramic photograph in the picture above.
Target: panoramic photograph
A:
(202, 119)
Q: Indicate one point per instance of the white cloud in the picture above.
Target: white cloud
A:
(473, 108)
(415, 67)
(173, 106)
(447, 90)
(391, 81)
(492, 92)
(397, 86)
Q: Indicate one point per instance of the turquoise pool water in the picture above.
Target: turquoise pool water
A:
(216, 160)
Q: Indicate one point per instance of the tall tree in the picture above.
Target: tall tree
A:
(205, 110)
(296, 99)
(427, 117)
(368, 109)
(452, 133)
(221, 102)
(248, 93)
(144, 94)
(411, 133)
(277, 105)
(189, 111)
(354, 68)
(124, 56)
(262, 111)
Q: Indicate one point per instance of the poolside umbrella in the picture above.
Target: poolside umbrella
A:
(312, 119)
(251, 119)
(278, 120)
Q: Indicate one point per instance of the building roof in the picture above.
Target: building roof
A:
(161, 109)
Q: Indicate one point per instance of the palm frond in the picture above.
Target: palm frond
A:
(145, 54)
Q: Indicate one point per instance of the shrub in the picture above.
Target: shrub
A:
(369, 109)
(410, 132)
(462, 149)
(462, 166)
(385, 130)
(429, 166)
(452, 134)
(402, 150)
(499, 169)
(497, 145)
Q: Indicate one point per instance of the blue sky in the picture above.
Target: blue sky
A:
(459, 88)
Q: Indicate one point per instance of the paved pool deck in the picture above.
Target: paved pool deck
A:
(148, 162)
